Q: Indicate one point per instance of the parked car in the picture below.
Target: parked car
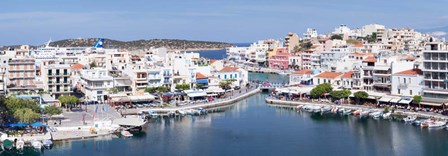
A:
(237, 87)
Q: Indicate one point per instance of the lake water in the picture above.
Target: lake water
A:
(251, 127)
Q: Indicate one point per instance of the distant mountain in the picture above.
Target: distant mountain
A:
(171, 44)
(437, 31)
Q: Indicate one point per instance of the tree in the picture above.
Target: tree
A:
(417, 99)
(13, 104)
(151, 89)
(199, 85)
(340, 94)
(93, 64)
(305, 45)
(225, 84)
(320, 90)
(113, 90)
(68, 100)
(52, 110)
(26, 115)
(360, 95)
(162, 89)
(183, 86)
(336, 37)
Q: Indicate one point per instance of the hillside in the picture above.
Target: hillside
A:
(171, 44)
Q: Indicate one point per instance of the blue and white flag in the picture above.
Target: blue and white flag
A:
(96, 109)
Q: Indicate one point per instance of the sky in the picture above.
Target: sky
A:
(235, 21)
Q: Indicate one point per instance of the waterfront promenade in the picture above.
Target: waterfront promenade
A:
(405, 112)
(234, 96)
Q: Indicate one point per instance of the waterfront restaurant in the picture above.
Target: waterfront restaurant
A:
(195, 95)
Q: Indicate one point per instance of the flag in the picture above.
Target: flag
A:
(106, 108)
(96, 109)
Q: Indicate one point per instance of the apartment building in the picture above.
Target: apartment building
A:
(95, 82)
(435, 70)
(56, 79)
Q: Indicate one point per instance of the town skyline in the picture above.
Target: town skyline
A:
(37, 22)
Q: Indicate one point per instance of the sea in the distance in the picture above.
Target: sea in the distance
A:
(252, 127)
(219, 54)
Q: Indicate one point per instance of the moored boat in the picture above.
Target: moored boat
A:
(47, 143)
(386, 115)
(347, 112)
(7, 144)
(364, 113)
(376, 115)
(126, 133)
(36, 144)
(357, 112)
(410, 119)
(325, 109)
(20, 144)
(436, 124)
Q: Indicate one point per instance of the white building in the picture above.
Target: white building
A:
(94, 83)
(240, 76)
(407, 83)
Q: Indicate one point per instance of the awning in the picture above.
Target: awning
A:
(403, 101)
(395, 100)
(202, 81)
(385, 99)
(431, 104)
(141, 97)
(196, 94)
(214, 90)
(121, 99)
(381, 68)
(212, 94)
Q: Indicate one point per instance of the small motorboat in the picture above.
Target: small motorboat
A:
(436, 124)
(316, 109)
(299, 107)
(325, 109)
(308, 108)
(20, 144)
(425, 123)
(410, 119)
(386, 115)
(364, 113)
(126, 133)
(341, 110)
(357, 112)
(47, 143)
(182, 113)
(36, 144)
(376, 115)
(347, 112)
(417, 122)
(7, 144)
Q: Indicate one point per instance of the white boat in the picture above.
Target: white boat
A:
(325, 109)
(347, 112)
(20, 144)
(36, 144)
(341, 110)
(364, 113)
(181, 112)
(410, 119)
(436, 124)
(376, 115)
(47, 143)
(316, 109)
(126, 133)
(386, 115)
(308, 108)
(299, 107)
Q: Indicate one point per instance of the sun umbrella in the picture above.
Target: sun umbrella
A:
(37, 124)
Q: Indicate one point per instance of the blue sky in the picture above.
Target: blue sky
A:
(34, 22)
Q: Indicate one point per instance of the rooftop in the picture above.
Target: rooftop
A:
(200, 76)
(229, 69)
(305, 71)
(347, 75)
(77, 66)
(370, 59)
(330, 75)
(411, 72)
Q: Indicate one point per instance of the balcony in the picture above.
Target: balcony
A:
(167, 75)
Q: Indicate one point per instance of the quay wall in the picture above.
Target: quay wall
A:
(345, 106)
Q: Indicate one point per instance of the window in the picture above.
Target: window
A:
(99, 92)
(398, 91)
(225, 76)
(404, 80)
(409, 80)
(410, 92)
(230, 76)
(235, 76)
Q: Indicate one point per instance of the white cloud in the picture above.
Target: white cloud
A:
(438, 33)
